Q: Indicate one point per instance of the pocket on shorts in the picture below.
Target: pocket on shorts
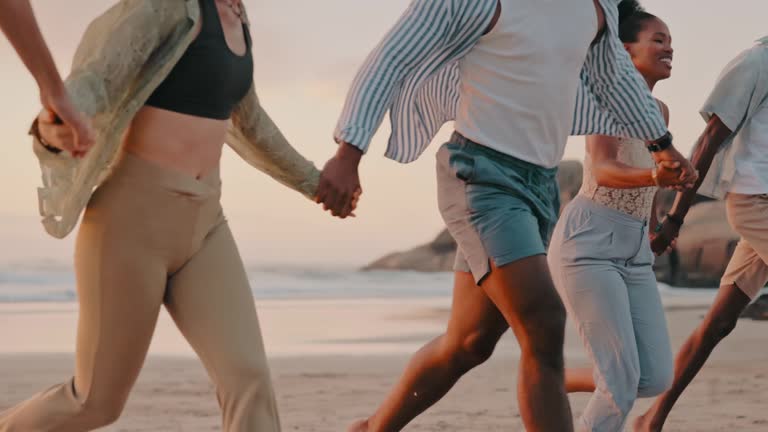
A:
(460, 162)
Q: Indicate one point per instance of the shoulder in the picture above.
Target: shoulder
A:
(148, 14)
(750, 59)
(664, 110)
(138, 20)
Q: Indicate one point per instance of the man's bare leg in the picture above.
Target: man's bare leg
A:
(474, 328)
(524, 293)
(719, 322)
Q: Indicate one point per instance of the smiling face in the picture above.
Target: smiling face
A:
(652, 51)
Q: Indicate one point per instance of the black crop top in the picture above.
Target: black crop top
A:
(209, 79)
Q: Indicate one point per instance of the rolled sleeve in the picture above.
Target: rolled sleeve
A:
(731, 98)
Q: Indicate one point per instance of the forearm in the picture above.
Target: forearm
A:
(704, 154)
(18, 22)
(614, 174)
(655, 211)
(259, 141)
(349, 154)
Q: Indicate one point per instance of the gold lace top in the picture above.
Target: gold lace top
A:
(637, 202)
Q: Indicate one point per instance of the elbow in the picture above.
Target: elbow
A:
(602, 182)
(601, 176)
(715, 135)
(706, 152)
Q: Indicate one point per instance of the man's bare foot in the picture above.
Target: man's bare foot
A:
(359, 426)
(643, 424)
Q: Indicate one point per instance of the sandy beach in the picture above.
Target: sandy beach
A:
(333, 360)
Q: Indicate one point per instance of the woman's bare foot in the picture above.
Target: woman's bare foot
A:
(643, 424)
(359, 426)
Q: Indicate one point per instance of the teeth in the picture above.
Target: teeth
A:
(666, 61)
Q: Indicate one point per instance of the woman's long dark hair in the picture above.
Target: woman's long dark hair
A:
(632, 18)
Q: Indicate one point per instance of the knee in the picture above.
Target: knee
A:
(543, 332)
(101, 412)
(655, 383)
(250, 382)
(625, 403)
(469, 351)
(719, 327)
(621, 390)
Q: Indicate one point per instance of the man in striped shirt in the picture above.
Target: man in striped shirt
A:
(511, 83)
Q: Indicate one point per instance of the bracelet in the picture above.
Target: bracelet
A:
(655, 175)
(660, 144)
(50, 148)
(35, 132)
(675, 219)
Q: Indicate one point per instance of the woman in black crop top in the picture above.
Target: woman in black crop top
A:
(154, 234)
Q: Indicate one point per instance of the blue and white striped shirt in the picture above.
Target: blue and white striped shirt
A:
(414, 74)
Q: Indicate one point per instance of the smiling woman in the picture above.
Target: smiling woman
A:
(601, 257)
(648, 40)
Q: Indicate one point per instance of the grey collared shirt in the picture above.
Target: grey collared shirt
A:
(740, 92)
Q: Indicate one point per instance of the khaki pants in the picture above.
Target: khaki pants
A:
(748, 215)
(153, 237)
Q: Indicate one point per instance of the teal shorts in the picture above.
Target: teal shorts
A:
(495, 206)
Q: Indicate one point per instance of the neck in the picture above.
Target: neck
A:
(651, 82)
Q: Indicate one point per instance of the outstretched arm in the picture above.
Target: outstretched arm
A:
(256, 138)
(725, 110)
(707, 147)
(612, 173)
(17, 21)
(424, 28)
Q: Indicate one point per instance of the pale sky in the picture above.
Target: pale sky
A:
(306, 53)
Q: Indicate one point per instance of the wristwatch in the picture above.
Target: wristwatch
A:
(660, 144)
(677, 220)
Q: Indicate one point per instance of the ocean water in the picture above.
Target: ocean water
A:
(303, 312)
(32, 282)
(50, 282)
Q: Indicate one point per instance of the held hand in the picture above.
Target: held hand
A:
(665, 237)
(55, 134)
(80, 137)
(339, 189)
(688, 175)
(668, 174)
(660, 244)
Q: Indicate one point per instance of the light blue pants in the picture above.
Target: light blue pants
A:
(601, 263)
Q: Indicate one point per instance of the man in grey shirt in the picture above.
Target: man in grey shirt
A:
(732, 157)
